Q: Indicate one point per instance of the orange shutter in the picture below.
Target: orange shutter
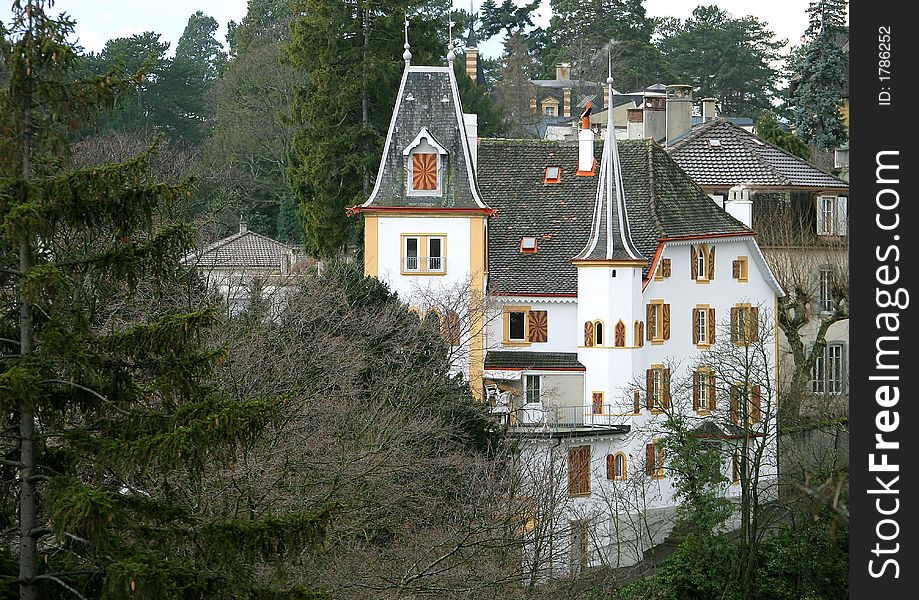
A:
(668, 269)
(665, 388)
(538, 326)
(695, 326)
(754, 324)
(694, 257)
(735, 417)
(451, 328)
(598, 403)
(636, 402)
(695, 390)
(756, 412)
(665, 327)
(650, 456)
(711, 391)
(734, 336)
(424, 171)
(610, 466)
(735, 269)
(588, 334)
(649, 315)
(711, 326)
(620, 334)
(639, 333)
(711, 263)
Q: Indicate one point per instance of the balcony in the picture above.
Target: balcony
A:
(424, 264)
(536, 416)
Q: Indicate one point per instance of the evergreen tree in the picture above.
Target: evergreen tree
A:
(819, 70)
(507, 17)
(349, 54)
(767, 127)
(723, 57)
(477, 100)
(109, 428)
(514, 89)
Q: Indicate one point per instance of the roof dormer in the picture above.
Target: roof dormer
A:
(424, 163)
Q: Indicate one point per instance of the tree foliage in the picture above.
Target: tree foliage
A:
(723, 57)
(768, 128)
(819, 71)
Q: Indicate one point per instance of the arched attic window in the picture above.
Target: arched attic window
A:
(424, 164)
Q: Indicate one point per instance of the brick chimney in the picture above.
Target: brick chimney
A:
(562, 72)
(636, 126)
(679, 111)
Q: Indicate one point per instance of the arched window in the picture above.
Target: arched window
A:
(639, 333)
(598, 332)
(589, 334)
(616, 466)
(424, 160)
(620, 334)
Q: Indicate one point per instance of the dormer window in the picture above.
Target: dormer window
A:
(529, 245)
(553, 175)
(424, 163)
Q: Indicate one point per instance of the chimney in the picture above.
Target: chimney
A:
(566, 102)
(586, 144)
(472, 63)
(636, 130)
(739, 205)
(471, 124)
(679, 111)
(562, 72)
(708, 109)
(243, 226)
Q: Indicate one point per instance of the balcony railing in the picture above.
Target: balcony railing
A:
(430, 264)
(537, 414)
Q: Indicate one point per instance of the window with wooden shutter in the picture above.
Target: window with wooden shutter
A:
(695, 326)
(654, 460)
(589, 334)
(424, 172)
(597, 398)
(621, 466)
(735, 269)
(451, 328)
(735, 317)
(711, 391)
(711, 263)
(696, 390)
(538, 326)
(620, 334)
(735, 408)
(636, 402)
(516, 325)
(665, 266)
(639, 333)
(665, 388)
(610, 466)
(665, 321)
(649, 319)
(649, 389)
(616, 466)
(693, 263)
(579, 471)
(650, 456)
(754, 324)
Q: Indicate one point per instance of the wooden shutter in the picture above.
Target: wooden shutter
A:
(711, 391)
(694, 257)
(711, 326)
(579, 470)
(735, 269)
(649, 393)
(451, 328)
(666, 269)
(756, 410)
(754, 323)
(695, 390)
(620, 334)
(735, 417)
(639, 333)
(538, 326)
(424, 171)
(695, 326)
(636, 402)
(589, 334)
(665, 388)
(610, 466)
(598, 403)
(734, 336)
(665, 321)
(710, 264)
(649, 314)
(650, 457)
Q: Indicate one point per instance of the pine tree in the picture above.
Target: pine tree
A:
(767, 127)
(349, 54)
(819, 70)
(109, 425)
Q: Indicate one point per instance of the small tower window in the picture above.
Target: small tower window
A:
(424, 171)
(424, 163)
(598, 332)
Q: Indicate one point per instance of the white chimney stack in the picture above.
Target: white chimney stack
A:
(471, 124)
(708, 109)
(585, 144)
(739, 205)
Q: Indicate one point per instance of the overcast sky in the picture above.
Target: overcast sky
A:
(101, 20)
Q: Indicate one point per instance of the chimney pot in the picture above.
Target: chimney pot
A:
(562, 72)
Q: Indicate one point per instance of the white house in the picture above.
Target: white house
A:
(598, 275)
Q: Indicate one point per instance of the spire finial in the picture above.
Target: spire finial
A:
(450, 54)
(407, 55)
(609, 68)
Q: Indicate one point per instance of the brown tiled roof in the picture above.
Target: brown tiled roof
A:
(661, 201)
(739, 156)
(504, 359)
(245, 249)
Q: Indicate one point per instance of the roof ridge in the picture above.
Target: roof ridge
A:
(693, 133)
(787, 153)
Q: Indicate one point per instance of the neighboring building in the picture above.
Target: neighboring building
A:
(595, 274)
(800, 214)
(234, 265)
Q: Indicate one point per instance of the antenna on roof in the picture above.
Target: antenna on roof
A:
(407, 55)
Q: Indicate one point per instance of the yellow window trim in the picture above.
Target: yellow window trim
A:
(658, 451)
(704, 410)
(701, 277)
(706, 344)
(658, 338)
(526, 326)
(744, 269)
(422, 254)
(743, 340)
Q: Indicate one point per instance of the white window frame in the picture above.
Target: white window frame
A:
(825, 277)
(702, 263)
(527, 389)
(703, 376)
(436, 264)
(832, 214)
(406, 257)
(828, 375)
(702, 333)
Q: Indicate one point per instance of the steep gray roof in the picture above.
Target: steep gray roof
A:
(661, 201)
(741, 157)
(504, 359)
(244, 249)
(428, 98)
